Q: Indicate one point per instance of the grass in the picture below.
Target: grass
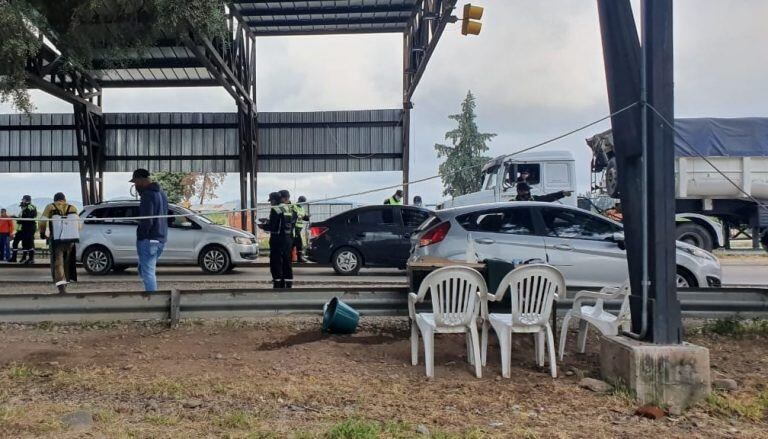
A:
(735, 327)
(355, 429)
(20, 371)
(753, 409)
(237, 420)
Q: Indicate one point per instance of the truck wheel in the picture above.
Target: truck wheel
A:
(694, 234)
(612, 178)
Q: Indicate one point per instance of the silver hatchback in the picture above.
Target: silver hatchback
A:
(584, 246)
(110, 245)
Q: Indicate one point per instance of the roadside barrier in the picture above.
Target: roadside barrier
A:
(174, 305)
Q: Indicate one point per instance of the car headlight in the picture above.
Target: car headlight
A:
(243, 240)
(699, 253)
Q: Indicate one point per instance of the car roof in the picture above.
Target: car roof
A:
(478, 207)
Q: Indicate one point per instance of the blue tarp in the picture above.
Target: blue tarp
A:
(742, 137)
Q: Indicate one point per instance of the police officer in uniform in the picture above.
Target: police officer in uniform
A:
(396, 199)
(26, 232)
(301, 217)
(282, 221)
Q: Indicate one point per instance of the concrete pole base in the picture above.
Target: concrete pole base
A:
(673, 377)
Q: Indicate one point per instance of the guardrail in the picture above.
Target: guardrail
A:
(248, 303)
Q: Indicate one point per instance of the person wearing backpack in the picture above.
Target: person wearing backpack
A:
(59, 217)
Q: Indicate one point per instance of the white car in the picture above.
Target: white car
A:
(110, 245)
(587, 248)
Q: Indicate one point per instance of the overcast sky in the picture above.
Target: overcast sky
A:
(536, 71)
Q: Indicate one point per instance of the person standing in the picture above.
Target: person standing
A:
(298, 235)
(151, 233)
(62, 246)
(281, 227)
(26, 232)
(7, 227)
(396, 199)
(417, 201)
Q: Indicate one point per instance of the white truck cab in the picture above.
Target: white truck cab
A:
(549, 171)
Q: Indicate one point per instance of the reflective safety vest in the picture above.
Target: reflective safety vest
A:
(394, 201)
(299, 215)
(287, 219)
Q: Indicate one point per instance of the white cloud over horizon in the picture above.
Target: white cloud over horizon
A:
(536, 71)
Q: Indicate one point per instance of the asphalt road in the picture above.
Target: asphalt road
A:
(192, 277)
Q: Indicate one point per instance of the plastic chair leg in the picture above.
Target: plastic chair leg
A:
(540, 346)
(414, 344)
(582, 339)
(551, 348)
(505, 346)
(468, 338)
(475, 342)
(484, 343)
(429, 351)
(564, 334)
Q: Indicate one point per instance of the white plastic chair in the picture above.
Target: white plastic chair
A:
(455, 293)
(533, 289)
(595, 315)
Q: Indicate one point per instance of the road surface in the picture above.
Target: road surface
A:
(37, 279)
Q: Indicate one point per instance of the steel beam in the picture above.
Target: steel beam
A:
(321, 10)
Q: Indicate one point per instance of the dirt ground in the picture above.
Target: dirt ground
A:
(282, 378)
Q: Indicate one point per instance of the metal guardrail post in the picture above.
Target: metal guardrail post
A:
(174, 314)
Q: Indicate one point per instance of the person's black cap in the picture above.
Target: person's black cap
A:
(416, 198)
(59, 197)
(285, 194)
(399, 192)
(302, 199)
(273, 196)
(523, 187)
(138, 174)
(26, 198)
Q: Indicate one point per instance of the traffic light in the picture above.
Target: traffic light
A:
(468, 25)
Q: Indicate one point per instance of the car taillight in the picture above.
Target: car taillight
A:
(435, 234)
(316, 231)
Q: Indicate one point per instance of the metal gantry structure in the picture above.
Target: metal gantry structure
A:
(192, 59)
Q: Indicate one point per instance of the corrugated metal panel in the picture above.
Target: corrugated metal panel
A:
(331, 141)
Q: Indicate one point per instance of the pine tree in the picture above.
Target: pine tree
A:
(461, 171)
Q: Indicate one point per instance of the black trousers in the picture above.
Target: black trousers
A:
(298, 243)
(280, 261)
(27, 240)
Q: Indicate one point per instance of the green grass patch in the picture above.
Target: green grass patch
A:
(20, 371)
(752, 409)
(735, 327)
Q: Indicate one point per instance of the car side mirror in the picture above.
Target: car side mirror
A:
(618, 238)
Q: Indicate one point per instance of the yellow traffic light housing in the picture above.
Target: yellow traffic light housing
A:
(468, 25)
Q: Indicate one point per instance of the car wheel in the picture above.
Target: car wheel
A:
(685, 279)
(694, 234)
(97, 260)
(214, 260)
(347, 261)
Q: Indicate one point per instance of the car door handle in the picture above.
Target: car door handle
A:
(108, 231)
(484, 241)
(406, 235)
(566, 247)
(360, 235)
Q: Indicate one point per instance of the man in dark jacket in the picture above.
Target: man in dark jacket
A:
(26, 232)
(282, 222)
(151, 233)
(524, 194)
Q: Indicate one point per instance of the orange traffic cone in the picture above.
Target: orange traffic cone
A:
(294, 255)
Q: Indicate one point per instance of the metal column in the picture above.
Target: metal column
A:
(89, 132)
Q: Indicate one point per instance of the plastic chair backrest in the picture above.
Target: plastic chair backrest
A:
(533, 289)
(624, 312)
(455, 293)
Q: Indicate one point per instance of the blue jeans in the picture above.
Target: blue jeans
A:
(149, 252)
(5, 246)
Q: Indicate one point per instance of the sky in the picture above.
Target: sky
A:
(536, 71)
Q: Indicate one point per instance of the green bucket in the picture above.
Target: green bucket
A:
(339, 318)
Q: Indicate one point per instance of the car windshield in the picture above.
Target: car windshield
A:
(193, 215)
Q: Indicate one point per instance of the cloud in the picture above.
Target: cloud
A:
(536, 71)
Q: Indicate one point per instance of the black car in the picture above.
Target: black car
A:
(371, 236)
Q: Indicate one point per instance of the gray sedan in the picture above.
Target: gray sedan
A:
(587, 248)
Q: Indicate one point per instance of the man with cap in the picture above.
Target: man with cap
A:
(282, 222)
(524, 194)
(151, 233)
(62, 248)
(396, 199)
(301, 218)
(417, 201)
(26, 232)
